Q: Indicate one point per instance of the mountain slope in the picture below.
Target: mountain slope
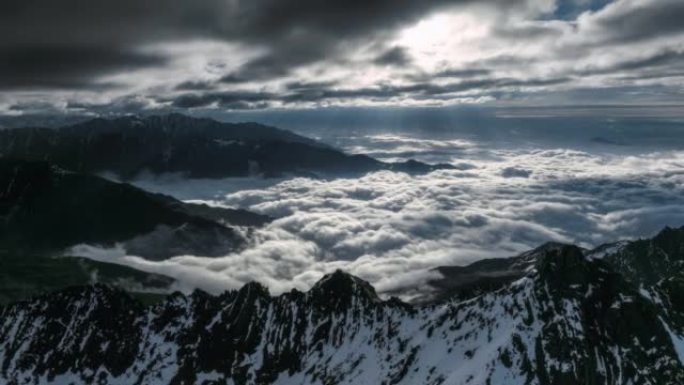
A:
(46, 209)
(570, 320)
(647, 261)
(24, 276)
(485, 275)
(643, 262)
(197, 148)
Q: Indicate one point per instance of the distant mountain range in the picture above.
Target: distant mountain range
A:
(570, 317)
(194, 147)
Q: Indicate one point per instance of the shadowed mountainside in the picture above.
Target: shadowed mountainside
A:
(45, 210)
(643, 261)
(194, 147)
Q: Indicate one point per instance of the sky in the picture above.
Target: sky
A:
(131, 56)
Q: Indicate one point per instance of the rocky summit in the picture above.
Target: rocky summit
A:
(572, 317)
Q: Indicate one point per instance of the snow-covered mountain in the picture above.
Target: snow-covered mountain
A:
(572, 318)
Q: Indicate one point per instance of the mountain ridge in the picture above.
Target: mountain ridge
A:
(641, 260)
(194, 147)
(45, 208)
(570, 319)
(45, 211)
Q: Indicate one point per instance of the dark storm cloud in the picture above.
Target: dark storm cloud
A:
(462, 73)
(315, 92)
(49, 44)
(74, 109)
(627, 22)
(308, 86)
(194, 86)
(526, 32)
(395, 56)
(231, 100)
(649, 75)
(515, 172)
(253, 53)
(83, 39)
(424, 89)
(118, 106)
(669, 58)
(65, 66)
(305, 31)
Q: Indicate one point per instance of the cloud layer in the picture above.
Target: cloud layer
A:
(392, 228)
(130, 56)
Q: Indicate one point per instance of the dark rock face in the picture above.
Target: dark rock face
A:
(44, 209)
(85, 326)
(623, 326)
(486, 275)
(649, 260)
(197, 148)
(569, 320)
(644, 261)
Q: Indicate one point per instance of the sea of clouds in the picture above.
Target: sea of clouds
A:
(392, 228)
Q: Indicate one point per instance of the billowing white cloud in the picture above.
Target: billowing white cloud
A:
(392, 228)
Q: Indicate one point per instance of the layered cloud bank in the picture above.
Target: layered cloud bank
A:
(261, 54)
(392, 228)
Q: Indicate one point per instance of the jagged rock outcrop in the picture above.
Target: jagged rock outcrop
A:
(644, 262)
(649, 260)
(570, 319)
(485, 275)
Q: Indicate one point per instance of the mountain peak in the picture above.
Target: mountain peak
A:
(341, 287)
(253, 290)
(538, 252)
(566, 264)
(669, 235)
